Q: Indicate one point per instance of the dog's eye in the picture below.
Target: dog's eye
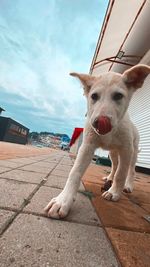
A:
(94, 96)
(117, 96)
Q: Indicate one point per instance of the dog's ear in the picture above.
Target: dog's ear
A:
(86, 80)
(135, 76)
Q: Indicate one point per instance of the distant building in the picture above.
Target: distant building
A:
(12, 131)
(65, 138)
(76, 140)
(1, 110)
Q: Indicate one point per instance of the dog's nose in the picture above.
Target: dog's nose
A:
(102, 125)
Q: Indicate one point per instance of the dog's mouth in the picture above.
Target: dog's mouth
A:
(102, 125)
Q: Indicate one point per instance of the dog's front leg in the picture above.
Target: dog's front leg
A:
(114, 162)
(59, 207)
(114, 193)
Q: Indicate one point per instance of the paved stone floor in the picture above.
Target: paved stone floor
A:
(124, 221)
(94, 234)
(10, 150)
(28, 238)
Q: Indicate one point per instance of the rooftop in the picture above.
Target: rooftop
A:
(1, 109)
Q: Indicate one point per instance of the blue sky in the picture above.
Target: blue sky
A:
(40, 43)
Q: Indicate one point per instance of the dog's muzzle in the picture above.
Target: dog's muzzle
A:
(102, 125)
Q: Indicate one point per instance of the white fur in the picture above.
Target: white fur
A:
(122, 141)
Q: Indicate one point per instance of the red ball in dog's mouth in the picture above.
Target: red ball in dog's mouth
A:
(103, 125)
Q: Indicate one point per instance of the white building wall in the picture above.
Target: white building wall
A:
(75, 147)
(139, 111)
(101, 153)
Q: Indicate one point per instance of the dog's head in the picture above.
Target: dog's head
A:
(108, 95)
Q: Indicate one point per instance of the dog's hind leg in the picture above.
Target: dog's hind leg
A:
(114, 160)
(59, 207)
(128, 188)
(114, 193)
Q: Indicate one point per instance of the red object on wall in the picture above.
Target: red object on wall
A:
(75, 135)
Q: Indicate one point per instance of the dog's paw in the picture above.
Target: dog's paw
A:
(59, 207)
(105, 178)
(128, 188)
(111, 195)
(108, 178)
(106, 185)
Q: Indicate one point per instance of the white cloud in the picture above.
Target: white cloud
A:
(39, 58)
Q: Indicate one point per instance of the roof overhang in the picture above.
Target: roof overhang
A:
(124, 37)
(1, 109)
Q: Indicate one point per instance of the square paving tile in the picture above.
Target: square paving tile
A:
(93, 179)
(10, 164)
(23, 161)
(82, 210)
(66, 162)
(97, 170)
(139, 197)
(142, 175)
(131, 247)
(4, 169)
(63, 167)
(95, 188)
(13, 193)
(145, 186)
(55, 159)
(51, 161)
(40, 242)
(38, 168)
(26, 176)
(45, 164)
(37, 158)
(146, 207)
(60, 173)
(59, 182)
(4, 216)
(56, 181)
(140, 178)
(121, 214)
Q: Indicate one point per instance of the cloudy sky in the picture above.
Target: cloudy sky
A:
(40, 43)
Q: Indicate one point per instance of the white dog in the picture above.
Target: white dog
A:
(108, 126)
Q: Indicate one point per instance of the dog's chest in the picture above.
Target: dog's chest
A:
(108, 142)
(105, 145)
